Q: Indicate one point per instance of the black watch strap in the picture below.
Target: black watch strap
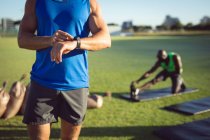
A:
(78, 42)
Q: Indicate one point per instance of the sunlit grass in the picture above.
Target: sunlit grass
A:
(112, 70)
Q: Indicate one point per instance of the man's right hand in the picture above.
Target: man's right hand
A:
(60, 36)
(62, 43)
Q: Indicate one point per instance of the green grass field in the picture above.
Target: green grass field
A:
(113, 70)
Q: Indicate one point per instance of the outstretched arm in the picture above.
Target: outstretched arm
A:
(149, 72)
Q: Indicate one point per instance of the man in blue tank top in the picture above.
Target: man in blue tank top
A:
(59, 32)
(172, 67)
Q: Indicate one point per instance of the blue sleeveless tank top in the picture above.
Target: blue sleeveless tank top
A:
(70, 16)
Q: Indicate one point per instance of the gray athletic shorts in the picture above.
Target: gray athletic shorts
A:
(45, 105)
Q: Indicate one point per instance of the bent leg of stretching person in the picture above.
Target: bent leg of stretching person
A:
(177, 84)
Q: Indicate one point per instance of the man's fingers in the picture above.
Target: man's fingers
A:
(52, 54)
(65, 35)
(58, 39)
(60, 36)
(55, 50)
(57, 53)
(60, 48)
(60, 54)
(70, 37)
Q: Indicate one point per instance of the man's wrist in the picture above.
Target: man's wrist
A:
(78, 40)
(51, 41)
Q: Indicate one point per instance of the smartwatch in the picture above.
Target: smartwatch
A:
(78, 42)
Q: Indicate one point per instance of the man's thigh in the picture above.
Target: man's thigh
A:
(41, 107)
(161, 76)
(73, 105)
(176, 83)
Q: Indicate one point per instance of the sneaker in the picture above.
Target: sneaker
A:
(135, 95)
(137, 92)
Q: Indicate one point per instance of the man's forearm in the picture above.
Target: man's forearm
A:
(143, 77)
(97, 42)
(33, 42)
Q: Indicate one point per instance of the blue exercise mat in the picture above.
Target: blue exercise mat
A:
(197, 130)
(156, 94)
(192, 107)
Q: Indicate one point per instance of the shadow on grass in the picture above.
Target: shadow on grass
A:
(116, 95)
(113, 95)
(135, 132)
(10, 132)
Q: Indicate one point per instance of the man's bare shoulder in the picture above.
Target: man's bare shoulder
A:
(30, 4)
(177, 57)
(93, 6)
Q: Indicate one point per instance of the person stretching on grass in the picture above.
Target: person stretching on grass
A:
(172, 67)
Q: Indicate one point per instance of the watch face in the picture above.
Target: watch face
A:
(60, 0)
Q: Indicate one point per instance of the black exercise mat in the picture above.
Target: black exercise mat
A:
(197, 130)
(191, 108)
(156, 94)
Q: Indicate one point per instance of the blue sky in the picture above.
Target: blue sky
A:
(141, 12)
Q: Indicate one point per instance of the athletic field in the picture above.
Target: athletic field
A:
(112, 70)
